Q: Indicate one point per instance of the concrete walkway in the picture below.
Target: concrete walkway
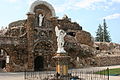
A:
(11, 76)
(20, 75)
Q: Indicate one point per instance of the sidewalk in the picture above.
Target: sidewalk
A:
(11, 76)
(110, 67)
(20, 75)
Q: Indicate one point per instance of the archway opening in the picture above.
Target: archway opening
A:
(2, 64)
(39, 63)
(3, 57)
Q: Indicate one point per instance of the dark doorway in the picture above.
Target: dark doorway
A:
(39, 63)
(3, 55)
(2, 64)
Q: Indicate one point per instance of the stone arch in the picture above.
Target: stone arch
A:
(43, 45)
(36, 3)
(7, 48)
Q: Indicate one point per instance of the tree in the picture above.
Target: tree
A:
(99, 34)
(102, 35)
(106, 34)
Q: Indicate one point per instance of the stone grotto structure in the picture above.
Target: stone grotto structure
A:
(31, 43)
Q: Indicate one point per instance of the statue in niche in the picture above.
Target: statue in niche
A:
(60, 40)
(40, 19)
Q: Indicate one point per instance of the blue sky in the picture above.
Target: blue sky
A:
(88, 13)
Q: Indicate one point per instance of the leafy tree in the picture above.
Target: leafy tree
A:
(102, 35)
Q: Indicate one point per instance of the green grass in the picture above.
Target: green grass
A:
(115, 71)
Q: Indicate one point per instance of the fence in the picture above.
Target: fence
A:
(74, 74)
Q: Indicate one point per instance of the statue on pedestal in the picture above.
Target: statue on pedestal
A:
(40, 19)
(60, 40)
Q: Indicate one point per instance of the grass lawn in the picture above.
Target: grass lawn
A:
(113, 72)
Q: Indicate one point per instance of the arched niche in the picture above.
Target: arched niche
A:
(43, 5)
(4, 58)
(42, 47)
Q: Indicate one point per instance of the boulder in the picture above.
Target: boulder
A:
(84, 37)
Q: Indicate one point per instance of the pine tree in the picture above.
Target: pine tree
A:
(102, 35)
(99, 34)
(106, 34)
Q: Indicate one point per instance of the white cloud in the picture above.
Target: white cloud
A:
(113, 16)
(12, 0)
(89, 3)
(78, 4)
(60, 8)
(115, 0)
(30, 2)
(67, 5)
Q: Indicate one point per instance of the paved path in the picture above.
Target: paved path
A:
(11, 76)
(20, 75)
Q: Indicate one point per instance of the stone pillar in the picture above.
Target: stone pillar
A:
(36, 19)
(30, 37)
(62, 60)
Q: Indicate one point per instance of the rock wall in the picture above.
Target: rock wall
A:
(106, 54)
(106, 48)
(107, 45)
(98, 61)
(84, 37)
(107, 61)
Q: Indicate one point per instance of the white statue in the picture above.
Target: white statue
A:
(60, 39)
(7, 59)
(40, 19)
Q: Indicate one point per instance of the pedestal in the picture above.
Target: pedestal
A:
(61, 60)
